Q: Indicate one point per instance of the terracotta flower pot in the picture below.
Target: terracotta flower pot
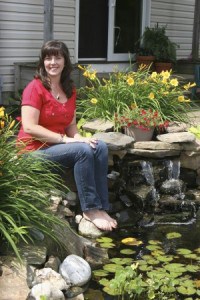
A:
(139, 134)
(163, 66)
(145, 60)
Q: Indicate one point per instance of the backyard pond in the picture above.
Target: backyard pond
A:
(159, 261)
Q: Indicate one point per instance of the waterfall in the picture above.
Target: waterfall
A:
(173, 172)
(173, 168)
(147, 171)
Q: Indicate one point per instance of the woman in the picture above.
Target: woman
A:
(49, 128)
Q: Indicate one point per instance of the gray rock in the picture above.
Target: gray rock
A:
(178, 137)
(76, 269)
(115, 140)
(53, 263)
(35, 255)
(98, 125)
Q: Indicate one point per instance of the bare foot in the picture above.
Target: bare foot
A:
(100, 219)
(113, 221)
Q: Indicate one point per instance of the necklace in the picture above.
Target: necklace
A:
(55, 94)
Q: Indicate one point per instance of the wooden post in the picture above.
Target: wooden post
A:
(48, 19)
(196, 31)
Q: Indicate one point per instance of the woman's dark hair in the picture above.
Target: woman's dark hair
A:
(56, 47)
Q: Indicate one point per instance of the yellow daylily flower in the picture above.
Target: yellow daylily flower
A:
(11, 124)
(2, 113)
(174, 82)
(154, 74)
(94, 101)
(183, 99)
(151, 96)
(2, 124)
(165, 74)
(80, 67)
(189, 85)
(92, 76)
(164, 80)
(130, 81)
(86, 73)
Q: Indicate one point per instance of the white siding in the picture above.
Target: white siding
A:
(178, 15)
(21, 29)
(21, 32)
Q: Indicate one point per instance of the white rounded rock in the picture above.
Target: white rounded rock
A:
(76, 269)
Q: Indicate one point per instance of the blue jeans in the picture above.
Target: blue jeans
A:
(90, 170)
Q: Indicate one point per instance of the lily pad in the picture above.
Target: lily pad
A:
(191, 256)
(153, 262)
(173, 235)
(183, 251)
(165, 258)
(153, 247)
(127, 251)
(107, 245)
(192, 268)
(122, 261)
(111, 267)
(197, 250)
(175, 267)
(104, 239)
(145, 268)
(100, 273)
(157, 252)
(186, 290)
(154, 242)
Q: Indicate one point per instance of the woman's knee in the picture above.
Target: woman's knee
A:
(85, 150)
(102, 147)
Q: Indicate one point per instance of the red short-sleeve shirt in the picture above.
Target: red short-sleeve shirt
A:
(54, 115)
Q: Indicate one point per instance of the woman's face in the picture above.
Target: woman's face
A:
(54, 65)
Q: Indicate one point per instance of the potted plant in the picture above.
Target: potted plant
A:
(163, 48)
(139, 122)
(144, 53)
(155, 41)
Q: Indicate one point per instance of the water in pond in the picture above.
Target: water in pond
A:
(184, 249)
(168, 252)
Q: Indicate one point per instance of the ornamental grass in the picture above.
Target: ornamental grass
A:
(25, 187)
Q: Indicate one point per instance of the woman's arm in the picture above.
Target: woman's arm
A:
(30, 118)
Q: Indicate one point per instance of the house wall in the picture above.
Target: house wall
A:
(21, 33)
(178, 15)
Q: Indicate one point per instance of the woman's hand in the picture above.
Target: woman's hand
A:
(91, 141)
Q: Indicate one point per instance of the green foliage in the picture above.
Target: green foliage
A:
(162, 93)
(25, 187)
(156, 40)
(195, 130)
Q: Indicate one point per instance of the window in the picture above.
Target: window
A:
(108, 29)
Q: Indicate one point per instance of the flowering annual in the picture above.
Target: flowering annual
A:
(140, 118)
